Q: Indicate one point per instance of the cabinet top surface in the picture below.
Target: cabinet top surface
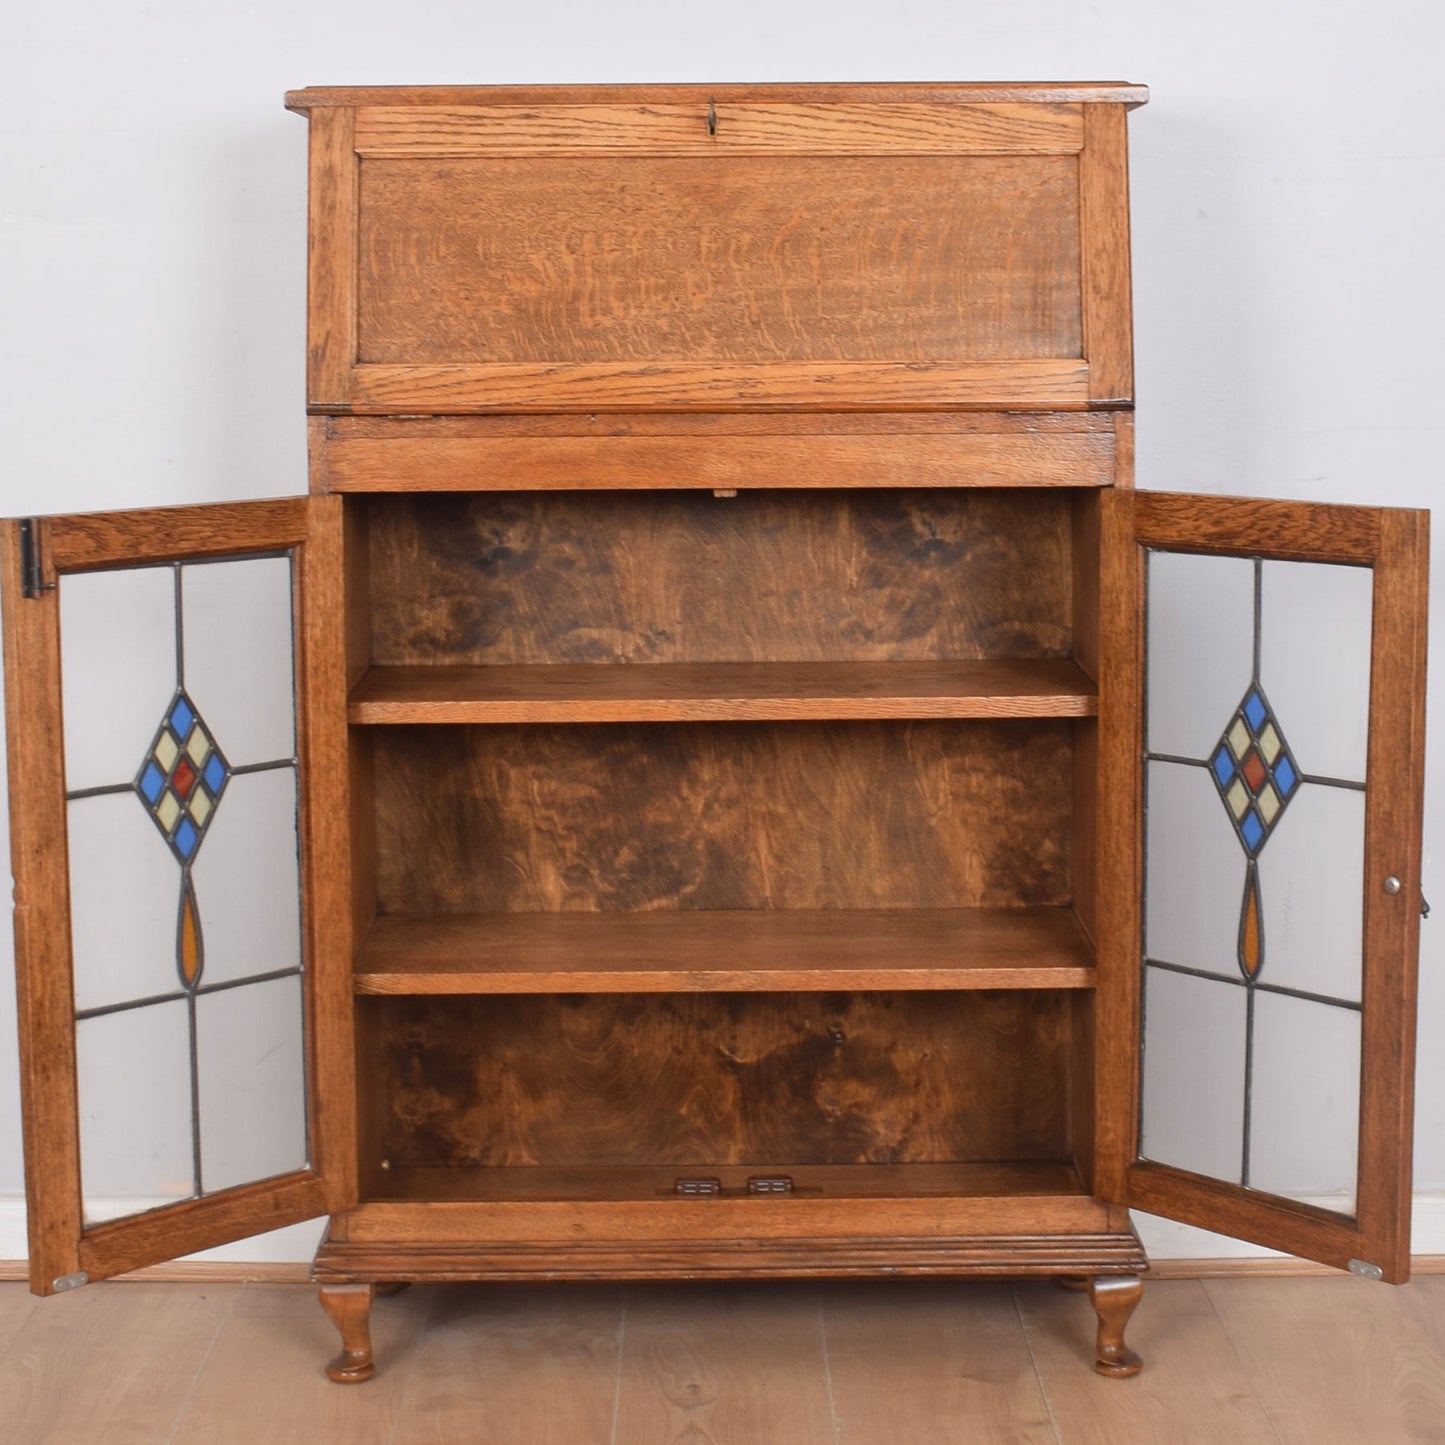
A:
(1114, 92)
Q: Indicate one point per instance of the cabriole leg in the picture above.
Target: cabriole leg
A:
(349, 1306)
(1114, 1298)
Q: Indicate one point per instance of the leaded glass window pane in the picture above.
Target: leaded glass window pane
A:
(180, 755)
(1257, 678)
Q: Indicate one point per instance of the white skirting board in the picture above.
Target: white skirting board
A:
(1163, 1239)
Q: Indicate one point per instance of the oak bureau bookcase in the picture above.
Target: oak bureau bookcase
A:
(736, 783)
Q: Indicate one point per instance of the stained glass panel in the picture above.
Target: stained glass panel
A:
(185, 879)
(1254, 872)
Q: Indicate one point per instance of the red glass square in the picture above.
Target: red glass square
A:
(184, 778)
(1254, 771)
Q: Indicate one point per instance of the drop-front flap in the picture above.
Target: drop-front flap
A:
(761, 248)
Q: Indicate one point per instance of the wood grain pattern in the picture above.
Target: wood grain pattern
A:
(1104, 220)
(460, 463)
(609, 265)
(686, 578)
(1338, 1361)
(739, 128)
(331, 264)
(722, 1365)
(1014, 1232)
(723, 816)
(1193, 1390)
(160, 534)
(616, 1184)
(1118, 920)
(240, 1395)
(324, 822)
(523, 1365)
(39, 861)
(1253, 527)
(721, 691)
(1394, 824)
(967, 1343)
(680, 386)
(114, 1364)
(974, 92)
(698, 1080)
(883, 428)
(759, 951)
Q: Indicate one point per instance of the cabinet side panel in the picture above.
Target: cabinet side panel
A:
(1104, 207)
(331, 273)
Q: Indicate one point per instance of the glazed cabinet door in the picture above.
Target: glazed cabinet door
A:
(175, 710)
(1263, 706)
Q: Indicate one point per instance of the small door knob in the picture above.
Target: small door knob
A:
(1392, 884)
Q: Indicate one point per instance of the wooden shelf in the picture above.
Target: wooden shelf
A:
(646, 1182)
(724, 691)
(757, 951)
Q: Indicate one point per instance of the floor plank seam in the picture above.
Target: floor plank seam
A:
(186, 1399)
(617, 1377)
(404, 1390)
(1239, 1360)
(1034, 1364)
(828, 1367)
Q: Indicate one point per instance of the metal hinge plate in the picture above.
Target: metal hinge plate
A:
(770, 1184)
(30, 569)
(694, 1188)
(70, 1281)
(1366, 1270)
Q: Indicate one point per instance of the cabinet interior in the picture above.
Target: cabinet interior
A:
(817, 901)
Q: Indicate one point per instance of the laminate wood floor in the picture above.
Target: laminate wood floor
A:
(1323, 1361)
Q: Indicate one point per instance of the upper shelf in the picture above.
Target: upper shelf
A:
(763, 950)
(723, 691)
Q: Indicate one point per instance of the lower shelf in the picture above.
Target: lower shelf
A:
(761, 950)
(650, 1182)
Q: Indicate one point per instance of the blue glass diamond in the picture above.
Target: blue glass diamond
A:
(214, 774)
(186, 837)
(1254, 710)
(181, 718)
(1223, 766)
(1252, 829)
(1284, 776)
(151, 783)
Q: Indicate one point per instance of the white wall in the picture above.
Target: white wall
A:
(1288, 200)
